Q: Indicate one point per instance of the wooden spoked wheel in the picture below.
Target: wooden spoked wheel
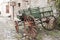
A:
(49, 23)
(30, 27)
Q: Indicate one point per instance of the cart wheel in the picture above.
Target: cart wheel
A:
(49, 25)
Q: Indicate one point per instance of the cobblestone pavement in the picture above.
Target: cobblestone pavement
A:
(44, 34)
(8, 32)
(49, 35)
(7, 29)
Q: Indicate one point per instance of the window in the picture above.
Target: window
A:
(7, 8)
(19, 4)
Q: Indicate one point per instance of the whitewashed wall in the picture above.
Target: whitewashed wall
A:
(3, 4)
(39, 3)
(31, 3)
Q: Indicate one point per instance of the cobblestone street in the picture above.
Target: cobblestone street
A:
(49, 35)
(8, 32)
(7, 29)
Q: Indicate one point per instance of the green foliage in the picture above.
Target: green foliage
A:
(58, 21)
(58, 4)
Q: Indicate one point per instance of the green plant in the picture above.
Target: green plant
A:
(58, 21)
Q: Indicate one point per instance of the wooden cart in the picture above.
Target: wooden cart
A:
(45, 15)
